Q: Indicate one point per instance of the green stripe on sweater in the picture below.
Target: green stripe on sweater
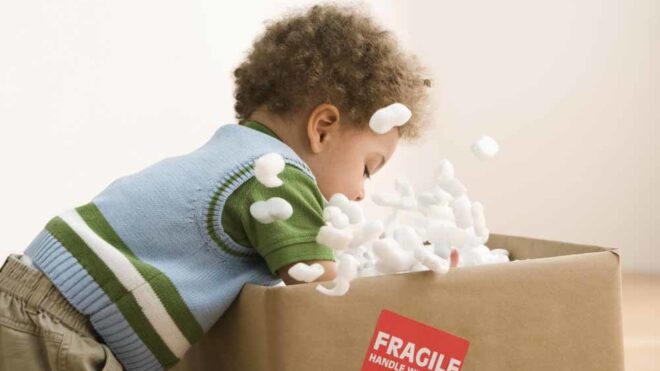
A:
(117, 293)
(210, 218)
(159, 282)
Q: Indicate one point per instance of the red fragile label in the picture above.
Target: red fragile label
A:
(403, 344)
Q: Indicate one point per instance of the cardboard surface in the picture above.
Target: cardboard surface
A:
(558, 307)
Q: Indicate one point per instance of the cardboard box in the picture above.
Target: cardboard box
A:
(558, 307)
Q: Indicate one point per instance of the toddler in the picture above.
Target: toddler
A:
(136, 276)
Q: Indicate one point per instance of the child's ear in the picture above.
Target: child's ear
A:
(322, 125)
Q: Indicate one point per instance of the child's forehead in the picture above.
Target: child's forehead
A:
(371, 142)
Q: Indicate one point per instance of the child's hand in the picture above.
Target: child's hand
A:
(453, 258)
(329, 274)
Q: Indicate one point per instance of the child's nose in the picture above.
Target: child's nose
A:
(360, 195)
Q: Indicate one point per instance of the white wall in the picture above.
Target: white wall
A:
(570, 91)
(90, 91)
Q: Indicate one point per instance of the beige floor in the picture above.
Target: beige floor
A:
(641, 322)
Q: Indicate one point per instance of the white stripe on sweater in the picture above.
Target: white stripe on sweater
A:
(133, 281)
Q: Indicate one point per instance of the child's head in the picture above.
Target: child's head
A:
(316, 78)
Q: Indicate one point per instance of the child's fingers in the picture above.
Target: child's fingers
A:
(453, 258)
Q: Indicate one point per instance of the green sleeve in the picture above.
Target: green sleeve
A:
(284, 241)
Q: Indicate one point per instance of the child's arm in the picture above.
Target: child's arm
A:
(329, 266)
(282, 243)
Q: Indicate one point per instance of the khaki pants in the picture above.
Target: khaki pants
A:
(40, 330)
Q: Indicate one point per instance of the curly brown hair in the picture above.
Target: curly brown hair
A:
(330, 54)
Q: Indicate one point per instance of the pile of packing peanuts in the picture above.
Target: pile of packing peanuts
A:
(419, 234)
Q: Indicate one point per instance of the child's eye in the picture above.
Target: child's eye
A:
(366, 173)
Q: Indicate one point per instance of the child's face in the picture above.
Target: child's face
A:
(349, 157)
